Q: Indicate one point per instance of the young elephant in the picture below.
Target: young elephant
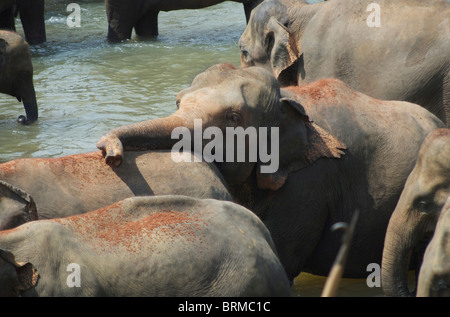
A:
(333, 150)
(434, 277)
(373, 46)
(414, 220)
(144, 246)
(16, 73)
(64, 186)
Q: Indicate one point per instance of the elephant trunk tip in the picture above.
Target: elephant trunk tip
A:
(25, 121)
(31, 111)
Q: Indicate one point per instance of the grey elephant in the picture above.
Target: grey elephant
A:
(31, 13)
(390, 50)
(334, 150)
(46, 188)
(144, 246)
(434, 276)
(16, 73)
(414, 220)
(142, 15)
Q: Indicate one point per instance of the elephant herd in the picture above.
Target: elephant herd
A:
(356, 118)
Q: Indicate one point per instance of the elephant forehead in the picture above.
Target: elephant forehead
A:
(435, 152)
(260, 17)
(212, 99)
(233, 93)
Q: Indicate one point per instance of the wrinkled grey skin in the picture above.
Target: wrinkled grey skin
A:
(145, 246)
(16, 73)
(61, 187)
(31, 13)
(406, 58)
(142, 15)
(339, 150)
(434, 277)
(414, 220)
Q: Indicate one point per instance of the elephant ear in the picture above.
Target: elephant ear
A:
(281, 46)
(302, 143)
(31, 210)
(27, 277)
(322, 144)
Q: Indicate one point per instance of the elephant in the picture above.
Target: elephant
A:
(31, 15)
(161, 246)
(16, 73)
(434, 276)
(47, 188)
(406, 56)
(334, 150)
(414, 219)
(142, 15)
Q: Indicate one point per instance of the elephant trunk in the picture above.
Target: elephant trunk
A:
(395, 263)
(30, 105)
(148, 135)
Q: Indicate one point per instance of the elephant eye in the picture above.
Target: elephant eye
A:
(245, 55)
(422, 205)
(234, 117)
(425, 206)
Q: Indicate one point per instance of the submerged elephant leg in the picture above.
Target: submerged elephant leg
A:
(121, 20)
(7, 20)
(147, 26)
(115, 36)
(33, 21)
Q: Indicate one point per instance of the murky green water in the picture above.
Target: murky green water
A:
(86, 86)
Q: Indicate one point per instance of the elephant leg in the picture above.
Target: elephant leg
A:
(115, 35)
(120, 26)
(33, 22)
(147, 26)
(249, 6)
(7, 20)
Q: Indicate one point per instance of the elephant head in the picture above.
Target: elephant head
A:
(16, 206)
(414, 219)
(268, 41)
(228, 99)
(16, 73)
(434, 277)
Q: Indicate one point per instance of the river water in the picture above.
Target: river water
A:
(86, 86)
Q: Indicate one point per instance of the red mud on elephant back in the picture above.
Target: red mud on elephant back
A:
(317, 90)
(81, 166)
(111, 229)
